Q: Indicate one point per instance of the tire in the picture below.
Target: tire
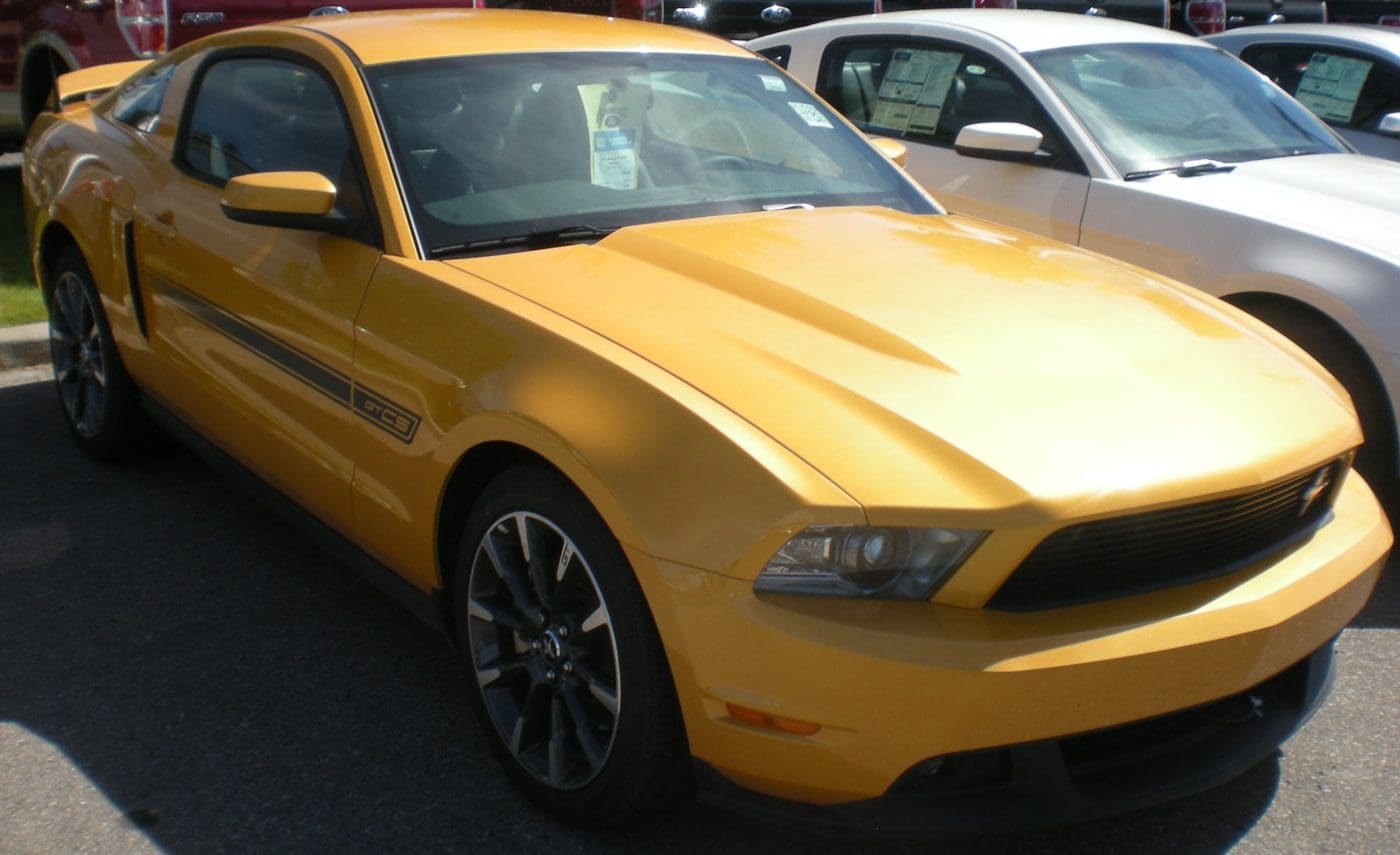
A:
(99, 400)
(1346, 361)
(570, 680)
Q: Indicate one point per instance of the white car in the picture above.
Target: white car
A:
(1349, 75)
(1145, 145)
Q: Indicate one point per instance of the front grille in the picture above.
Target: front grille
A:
(1131, 555)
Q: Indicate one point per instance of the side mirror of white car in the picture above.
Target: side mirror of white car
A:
(1389, 125)
(1011, 141)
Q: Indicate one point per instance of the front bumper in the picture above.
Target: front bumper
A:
(1076, 778)
(894, 684)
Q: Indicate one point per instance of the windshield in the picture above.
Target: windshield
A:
(1156, 106)
(493, 150)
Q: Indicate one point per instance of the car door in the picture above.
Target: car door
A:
(1351, 90)
(259, 321)
(924, 91)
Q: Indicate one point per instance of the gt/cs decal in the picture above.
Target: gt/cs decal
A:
(395, 420)
(385, 414)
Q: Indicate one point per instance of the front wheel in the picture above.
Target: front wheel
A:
(571, 680)
(1346, 361)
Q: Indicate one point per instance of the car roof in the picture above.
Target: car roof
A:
(1024, 30)
(1382, 38)
(393, 36)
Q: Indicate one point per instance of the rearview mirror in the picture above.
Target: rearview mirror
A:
(893, 149)
(1010, 141)
(1389, 125)
(285, 200)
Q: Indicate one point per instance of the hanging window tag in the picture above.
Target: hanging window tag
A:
(615, 158)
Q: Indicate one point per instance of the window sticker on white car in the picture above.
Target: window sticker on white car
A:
(773, 83)
(811, 115)
(1331, 84)
(914, 90)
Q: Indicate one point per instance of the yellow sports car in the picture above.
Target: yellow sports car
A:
(721, 453)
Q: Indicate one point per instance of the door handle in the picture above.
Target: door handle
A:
(163, 226)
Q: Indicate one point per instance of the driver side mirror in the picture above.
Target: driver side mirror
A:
(1009, 141)
(285, 200)
(1389, 125)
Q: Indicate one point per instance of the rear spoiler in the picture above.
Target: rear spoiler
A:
(88, 83)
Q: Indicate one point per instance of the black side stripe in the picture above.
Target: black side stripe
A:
(395, 420)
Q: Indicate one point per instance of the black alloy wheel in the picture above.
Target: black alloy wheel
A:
(99, 399)
(543, 649)
(570, 678)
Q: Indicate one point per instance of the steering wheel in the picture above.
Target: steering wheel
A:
(723, 163)
(1206, 120)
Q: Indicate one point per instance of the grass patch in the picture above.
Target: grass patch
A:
(20, 302)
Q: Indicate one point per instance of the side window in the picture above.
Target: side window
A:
(260, 114)
(138, 103)
(925, 92)
(1344, 89)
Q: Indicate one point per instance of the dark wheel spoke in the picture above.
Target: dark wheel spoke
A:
(66, 294)
(558, 734)
(492, 671)
(80, 404)
(92, 414)
(533, 549)
(484, 609)
(562, 579)
(602, 691)
(588, 742)
(87, 325)
(510, 575)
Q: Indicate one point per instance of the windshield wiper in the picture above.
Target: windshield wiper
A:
(1188, 168)
(535, 239)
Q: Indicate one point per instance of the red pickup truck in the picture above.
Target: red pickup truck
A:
(41, 39)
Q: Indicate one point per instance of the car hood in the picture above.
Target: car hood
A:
(942, 363)
(1349, 198)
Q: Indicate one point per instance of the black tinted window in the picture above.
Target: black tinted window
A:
(259, 114)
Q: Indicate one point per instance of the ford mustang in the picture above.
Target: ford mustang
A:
(720, 452)
(1151, 147)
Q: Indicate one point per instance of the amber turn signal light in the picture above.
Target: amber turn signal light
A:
(772, 722)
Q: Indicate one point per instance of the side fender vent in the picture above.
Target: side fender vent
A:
(138, 305)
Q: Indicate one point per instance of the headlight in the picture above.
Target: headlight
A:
(865, 561)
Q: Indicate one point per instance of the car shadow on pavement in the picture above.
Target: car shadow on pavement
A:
(228, 687)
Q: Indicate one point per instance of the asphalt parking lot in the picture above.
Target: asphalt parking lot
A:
(182, 672)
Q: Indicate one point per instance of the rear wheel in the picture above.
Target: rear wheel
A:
(99, 399)
(571, 681)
